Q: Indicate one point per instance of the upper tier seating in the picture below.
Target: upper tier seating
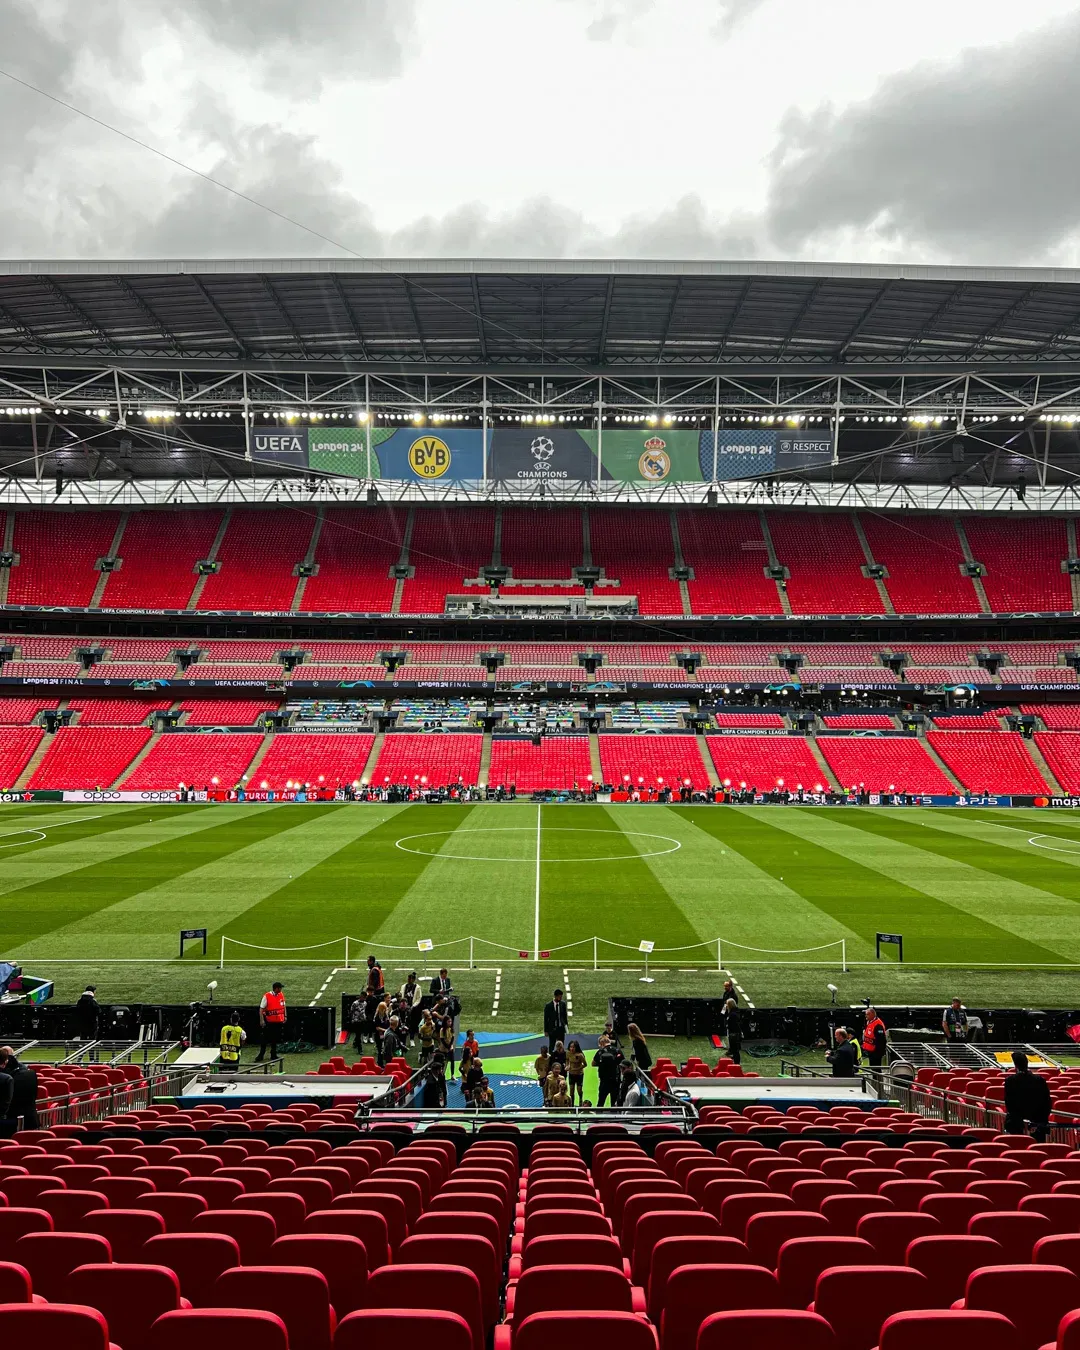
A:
(750, 719)
(258, 555)
(89, 757)
(195, 759)
(899, 762)
(728, 554)
(441, 759)
(356, 550)
(127, 670)
(1034, 653)
(41, 670)
(447, 546)
(159, 551)
(824, 557)
(762, 761)
(639, 552)
(1023, 557)
(57, 552)
(212, 670)
(989, 761)
(226, 712)
(840, 653)
(953, 675)
(1055, 716)
(543, 543)
(44, 648)
(328, 760)
(923, 557)
(672, 759)
(984, 721)
(555, 674)
(17, 746)
(859, 721)
(559, 762)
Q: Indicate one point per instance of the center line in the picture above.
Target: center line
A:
(536, 906)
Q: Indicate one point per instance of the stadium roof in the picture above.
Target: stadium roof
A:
(620, 318)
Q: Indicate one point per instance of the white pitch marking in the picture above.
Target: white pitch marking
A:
(40, 833)
(495, 1002)
(521, 829)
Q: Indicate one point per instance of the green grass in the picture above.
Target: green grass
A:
(984, 911)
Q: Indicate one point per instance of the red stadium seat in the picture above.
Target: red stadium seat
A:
(219, 1329)
(197, 1258)
(1033, 1298)
(856, 1300)
(946, 1329)
(131, 1298)
(403, 1326)
(51, 1257)
(449, 1288)
(696, 1292)
(341, 1259)
(55, 1324)
(775, 1329)
(126, 1229)
(801, 1260)
(582, 1331)
(299, 1295)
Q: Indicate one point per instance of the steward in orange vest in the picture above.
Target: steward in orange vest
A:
(272, 1014)
(873, 1039)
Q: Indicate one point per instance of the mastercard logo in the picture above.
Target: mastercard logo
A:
(1042, 801)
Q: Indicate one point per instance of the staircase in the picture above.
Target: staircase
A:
(705, 751)
(886, 599)
(403, 560)
(781, 589)
(594, 759)
(373, 757)
(1074, 581)
(485, 761)
(259, 756)
(308, 559)
(200, 581)
(9, 547)
(114, 552)
(680, 561)
(137, 760)
(1044, 768)
(34, 760)
(980, 589)
(823, 764)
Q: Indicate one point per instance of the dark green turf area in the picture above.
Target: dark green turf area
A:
(987, 900)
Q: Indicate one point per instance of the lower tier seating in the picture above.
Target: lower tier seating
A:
(1061, 750)
(673, 759)
(441, 759)
(899, 762)
(763, 761)
(89, 757)
(17, 746)
(558, 762)
(329, 759)
(989, 761)
(195, 759)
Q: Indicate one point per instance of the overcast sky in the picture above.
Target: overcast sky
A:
(933, 131)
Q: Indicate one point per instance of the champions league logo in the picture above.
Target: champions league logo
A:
(542, 448)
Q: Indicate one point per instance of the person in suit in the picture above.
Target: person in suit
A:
(441, 986)
(1027, 1098)
(555, 1020)
(843, 1055)
(24, 1087)
(87, 1014)
(733, 1027)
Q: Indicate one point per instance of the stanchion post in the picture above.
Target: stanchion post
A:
(719, 957)
(843, 954)
(472, 962)
(221, 963)
(347, 966)
(594, 954)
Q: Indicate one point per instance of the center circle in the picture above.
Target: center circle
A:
(1034, 840)
(21, 843)
(404, 842)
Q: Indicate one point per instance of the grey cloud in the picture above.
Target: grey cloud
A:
(616, 18)
(732, 14)
(967, 160)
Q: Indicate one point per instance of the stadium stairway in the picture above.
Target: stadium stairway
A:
(137, 760)
(705, 751)
(1043, 767)
(114, 552)
(942, 766)
(373, 757)
(886, 599)
(485, 761)
(823, 764)
(32, 763)
(9, 547)
(594, 758)
(260, 755)
(781, 588)
(309, 559)
(200, 581)
(980, 589)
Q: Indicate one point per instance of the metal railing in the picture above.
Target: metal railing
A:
(78, 1108)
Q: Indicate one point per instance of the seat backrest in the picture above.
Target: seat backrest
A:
(954, 1212)
(451, 1288)
(403, 1326)
(801, 1260)
(254, 1230)
(776, 1329)
(69, 1208)
(175, 1207)
(656, 1225)
(583, 1331)
(16, 1286)
(458, 1221)
(459, 1249)
(126, 1229)
(889, 1234)
(856, 1300)
(131, 1297)
(1068, 1337)
(737, 1210)
(767, 1233)
(670, 1253)
(547, 1221)
(572, 1249)
(694, 1292)
(580, 1287)
(1015, 1233)
(1063, 1211)
(287, 1210)
(197, 1258)
(385, 1183)
(54, 1324)
(220, 1329)
(17, 1221)
(391, 1207)
(341, 1258)
(948, 1259)
(1059, 1249)
(365, 1224)
(299, 1295)
(944, 1329)
(51, 1257)
(1033, 1298)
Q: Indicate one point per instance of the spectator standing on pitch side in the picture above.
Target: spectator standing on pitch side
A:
(555, 1020)
(272, 1017)
(954, 1021)
(733, 1027)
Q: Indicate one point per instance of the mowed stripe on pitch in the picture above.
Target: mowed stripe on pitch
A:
(164, 850)
(355, 890)
(857, 896)
(220, 890)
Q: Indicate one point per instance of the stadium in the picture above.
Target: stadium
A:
(652, 631)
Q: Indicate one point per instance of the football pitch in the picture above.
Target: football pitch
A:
(986, 900)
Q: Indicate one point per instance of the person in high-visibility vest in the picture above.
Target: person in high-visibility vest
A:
(233, 1037)
(873, 1038)
(271, 1020)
